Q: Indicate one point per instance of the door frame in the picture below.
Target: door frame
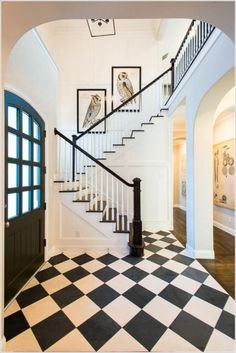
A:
(25, 106)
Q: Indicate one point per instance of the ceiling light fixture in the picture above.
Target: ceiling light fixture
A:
(100, 27)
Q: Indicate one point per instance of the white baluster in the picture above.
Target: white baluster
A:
(112, 198)
(107, 196)
(96, 187)
(101, 188)
(91, 183)
(117, 204)
(122, 206)
(127, 204)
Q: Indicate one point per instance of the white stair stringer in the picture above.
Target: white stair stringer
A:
(83, 230)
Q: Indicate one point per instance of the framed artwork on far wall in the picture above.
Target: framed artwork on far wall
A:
(125, 82)
(91, 107)
(224, 174)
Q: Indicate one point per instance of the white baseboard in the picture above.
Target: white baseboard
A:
(224, 228)
(198, 254)
(2, 344)
(50, 252)
(156, 226)
(180, 206)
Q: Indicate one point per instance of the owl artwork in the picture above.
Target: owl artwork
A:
(124, 87)
(93, 110)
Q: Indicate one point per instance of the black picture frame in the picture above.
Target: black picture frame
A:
(84, 99)
(134, 77)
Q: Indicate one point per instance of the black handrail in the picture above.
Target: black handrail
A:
(56, 132)
(123, 104)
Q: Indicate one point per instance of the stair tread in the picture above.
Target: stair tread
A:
(109, 151)
(118, 144)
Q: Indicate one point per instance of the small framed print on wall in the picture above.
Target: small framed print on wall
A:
(91, 107)
(125, 82)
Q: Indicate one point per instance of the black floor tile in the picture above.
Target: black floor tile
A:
(174, 248)
(149, 240)
(99, 329)
(158, 259)
(82, 259)
(165, 274)
(103, 295)
(31, 295)
(76, 273)
(55, 260)
(153, 248)
(145, 329)
(212, 296)
(183, 259)
(52, 329)
(132, 259)
(107, 259)
(139, 295)
(175, 295)
(146, 233)
(105, 274)
(67, 295)
(46, 274)
(135, 274)
(195, 274)
(192, 330)
(161, 232)
(168, 240)
(226, 324)
(14, 325)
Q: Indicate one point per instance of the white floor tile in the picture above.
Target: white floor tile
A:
(211, 282)
(175, 266)
(121, 310)
(120, 283)
(171, 342)
(219, 342)
(120, 266)
(162, 310)
(187, 284)
(122, 342)
(153, 283)
(230, 306)
(203, 310)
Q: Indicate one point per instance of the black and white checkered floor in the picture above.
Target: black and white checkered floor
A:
(98, 301)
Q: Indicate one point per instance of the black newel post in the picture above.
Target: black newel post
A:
(172, 75)
(136, 242)
(73, 158)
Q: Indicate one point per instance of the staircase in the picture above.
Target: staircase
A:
(83, 170)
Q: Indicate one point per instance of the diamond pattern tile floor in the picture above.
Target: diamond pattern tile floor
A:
(98, 301)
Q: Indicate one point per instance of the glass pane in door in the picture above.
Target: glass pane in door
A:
(26, 128)
(13, 145)
(13, 175)
(12, 205)
(13, 117)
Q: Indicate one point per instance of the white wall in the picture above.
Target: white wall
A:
(205, 84)
(171, 34)
(179, 165)
(224, 130)
(86, 62)
(33, 76)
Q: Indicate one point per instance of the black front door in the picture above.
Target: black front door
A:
(24, 193)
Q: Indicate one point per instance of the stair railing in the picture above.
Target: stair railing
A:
(104, 190)
(196, 37)
(124, 119)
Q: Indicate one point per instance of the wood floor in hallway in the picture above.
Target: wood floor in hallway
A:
(222, 268)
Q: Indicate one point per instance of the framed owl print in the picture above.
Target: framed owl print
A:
(125, 82)
(91, 107)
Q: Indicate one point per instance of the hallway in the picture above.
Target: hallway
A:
(102, 301)
(222, 268)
